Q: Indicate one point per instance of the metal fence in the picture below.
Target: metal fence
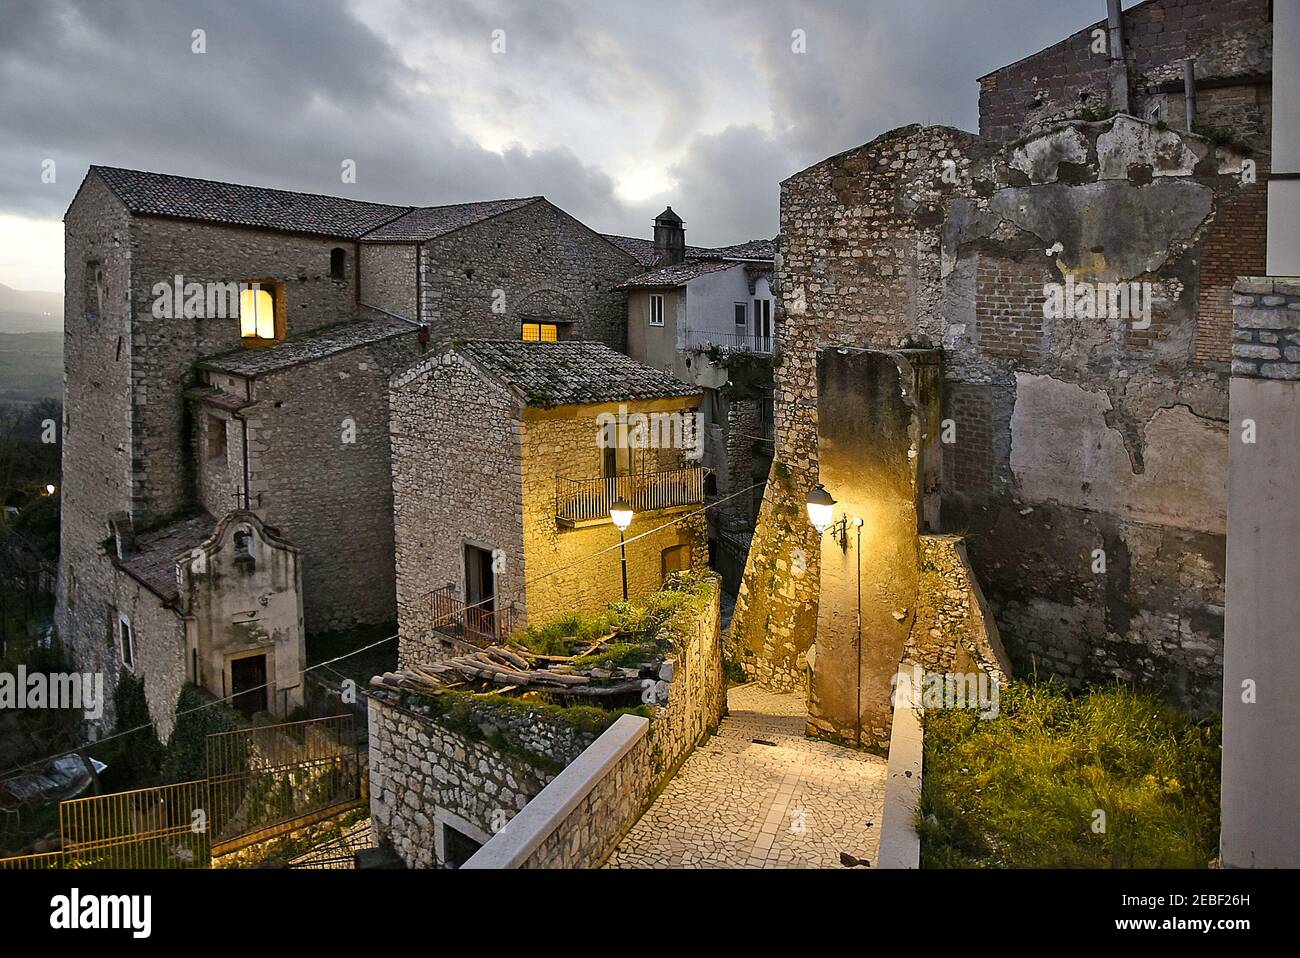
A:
(261, 782)
(162, 827)
(583, 501)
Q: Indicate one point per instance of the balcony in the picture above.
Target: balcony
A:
(476, 625)
(586, 502)
(737, 341)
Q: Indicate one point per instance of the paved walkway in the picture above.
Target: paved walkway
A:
(761, 795)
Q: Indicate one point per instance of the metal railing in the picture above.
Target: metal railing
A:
(263, 777)
(580, 501)
(742, 342)
(261, 782)
(162, 827)
(476, 624)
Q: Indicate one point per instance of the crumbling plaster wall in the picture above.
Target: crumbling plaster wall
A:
(1072, 435)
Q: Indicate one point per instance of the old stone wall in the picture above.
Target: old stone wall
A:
(163, 351)
(1266, 341)
(419, 767)
(1231, 41)
(320, 471)
(388, 276)
(602, 807)
(1099, 550)
(456, 480)
(953, 630)
(159, 640)
(97, 461)
(579, 569)
(545, 264)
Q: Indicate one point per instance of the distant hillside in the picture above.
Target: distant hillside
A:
(31, 366)
(28, 312)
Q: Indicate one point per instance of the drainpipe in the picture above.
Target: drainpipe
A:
(1189, 91)
(1119, 89)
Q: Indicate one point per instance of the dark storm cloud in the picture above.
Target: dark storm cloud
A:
(289, 89)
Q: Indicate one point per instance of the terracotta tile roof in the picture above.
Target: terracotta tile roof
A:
(429, 222)
(668, 277)
(317, 345)
(161, 194)
(571, 373)
(153, 563)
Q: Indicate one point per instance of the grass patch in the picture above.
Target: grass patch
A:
(1021, 790)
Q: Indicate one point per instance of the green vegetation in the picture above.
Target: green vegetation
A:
(1023, 790)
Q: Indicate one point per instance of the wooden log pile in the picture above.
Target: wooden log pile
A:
(513, 668)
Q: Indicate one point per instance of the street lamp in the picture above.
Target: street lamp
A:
(49, 488)
(621, 513)
(821, 513)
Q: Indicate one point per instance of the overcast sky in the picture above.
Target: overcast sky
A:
(610, 108)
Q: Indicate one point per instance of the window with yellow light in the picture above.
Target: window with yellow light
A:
(258, 322)
(541, 333)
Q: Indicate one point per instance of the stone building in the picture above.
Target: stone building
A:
(708, 317)
(229, 348)
(217, 604)
(1074, 281)
(507, 457)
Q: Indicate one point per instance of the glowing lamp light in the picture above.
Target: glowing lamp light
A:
(821, 508)
(256, 314)
(621, 513)
(49, 489)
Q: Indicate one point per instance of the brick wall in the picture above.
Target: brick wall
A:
(1228, 38)
(1009, 307)
(1237, 246)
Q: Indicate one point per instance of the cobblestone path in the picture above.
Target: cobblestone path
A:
(761, 795)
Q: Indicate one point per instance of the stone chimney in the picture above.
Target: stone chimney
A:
(670, 239)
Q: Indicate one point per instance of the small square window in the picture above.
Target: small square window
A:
(656, 310)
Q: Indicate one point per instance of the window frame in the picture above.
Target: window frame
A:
(542, 326)
(741, 312)
(657, 299)
(278, 313)
(126, 641)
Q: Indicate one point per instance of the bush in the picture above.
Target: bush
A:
(186, 756)
(1023, 790)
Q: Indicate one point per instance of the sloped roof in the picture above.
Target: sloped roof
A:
(184, 197)
(429, 222)
(750, 249)
(669, 277)
(644, 249)
(570, 373)
(317, 345)
(153, 562)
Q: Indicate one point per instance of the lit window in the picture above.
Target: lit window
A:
(656, 310)
(256, 313)
(541, 333)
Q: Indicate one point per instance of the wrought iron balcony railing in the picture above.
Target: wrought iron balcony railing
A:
(742, 342)
(587, 501)
(476, 624)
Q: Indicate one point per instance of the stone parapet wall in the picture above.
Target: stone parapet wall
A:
(581, 816)
(1266, 328)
